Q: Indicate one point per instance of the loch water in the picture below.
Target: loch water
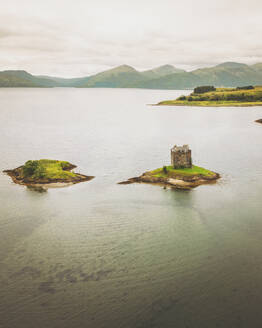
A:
(98, 254)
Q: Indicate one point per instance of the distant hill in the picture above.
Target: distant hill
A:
(64, 82)
(125, 76)
(179, 81)
(229, 74)
(120, 77)
(223, 75)
(257, 67)
(161, 71)
(23, 79)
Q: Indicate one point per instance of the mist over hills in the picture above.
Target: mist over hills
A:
(64, 82)
(229, 74)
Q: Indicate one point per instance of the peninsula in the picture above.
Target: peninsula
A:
(46, 172)
(180, 175)
(209, 96)
(259, 121)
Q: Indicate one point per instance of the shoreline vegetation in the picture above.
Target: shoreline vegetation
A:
(46, 173)
(209, 96)
(184, 179)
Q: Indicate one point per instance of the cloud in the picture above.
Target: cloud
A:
(4, 33)
(80, 37)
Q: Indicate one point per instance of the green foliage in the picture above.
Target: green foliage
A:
(249, 87)
(204, 89)
(40, 171)
(221, 97)
(29, 168)
(165, 169)
(47, 169)
(170, 171)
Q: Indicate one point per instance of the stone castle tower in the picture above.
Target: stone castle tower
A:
(181, 157)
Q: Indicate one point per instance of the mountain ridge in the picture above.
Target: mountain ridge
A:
(227, 74)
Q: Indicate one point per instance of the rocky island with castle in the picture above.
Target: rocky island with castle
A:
(181, 174)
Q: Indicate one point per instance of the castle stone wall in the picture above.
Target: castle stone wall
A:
(181, 157)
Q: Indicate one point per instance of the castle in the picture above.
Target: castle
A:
(181, 157)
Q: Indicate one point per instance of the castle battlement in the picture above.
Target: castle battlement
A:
(184, 148)
(181, 157)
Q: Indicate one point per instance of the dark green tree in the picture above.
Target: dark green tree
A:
(204, 88)
(30, 168)
(165, 169)
(248, 87)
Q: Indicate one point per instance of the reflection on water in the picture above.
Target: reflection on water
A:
(37, 189)
(99, 254)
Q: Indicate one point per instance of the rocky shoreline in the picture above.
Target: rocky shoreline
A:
(176, 182)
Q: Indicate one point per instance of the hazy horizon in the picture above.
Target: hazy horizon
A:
(138, 70)
(79, 38)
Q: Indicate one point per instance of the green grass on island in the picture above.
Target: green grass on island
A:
(220, 97)
(47, 169)
(169, 172)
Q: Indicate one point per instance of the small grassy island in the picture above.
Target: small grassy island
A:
(209, 96)
(180, 175)
(186, 178)
(46, 172)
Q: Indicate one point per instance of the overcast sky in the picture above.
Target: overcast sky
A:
(81, 37)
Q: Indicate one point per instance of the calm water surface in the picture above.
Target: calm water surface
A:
(98, 254)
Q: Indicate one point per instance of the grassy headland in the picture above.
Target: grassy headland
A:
(46, 171)
(220, 97)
